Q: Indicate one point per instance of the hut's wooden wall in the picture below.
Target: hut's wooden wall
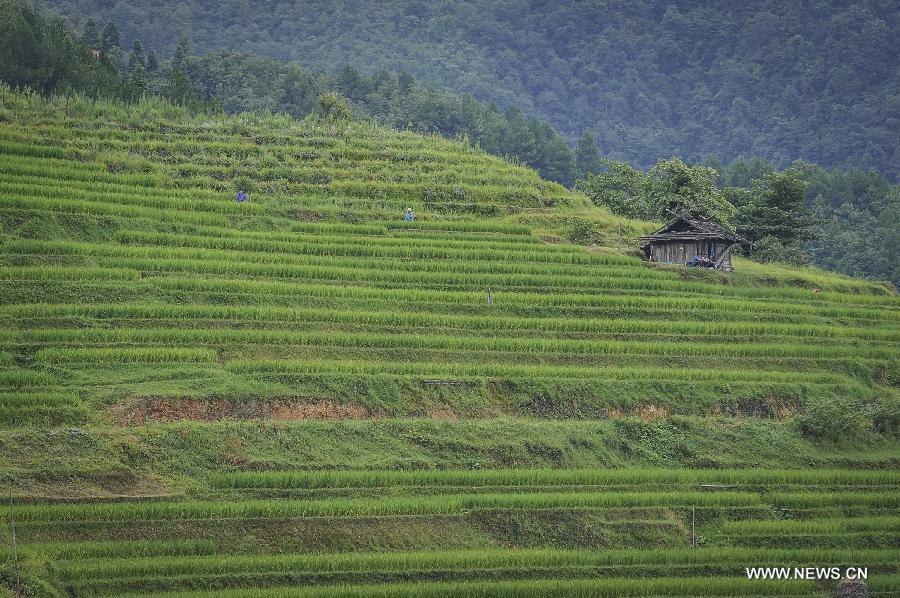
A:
(681, 252)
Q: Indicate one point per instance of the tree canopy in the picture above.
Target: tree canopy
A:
(587, 156)
(47, 55)
(772, 217)
(674, 187)
(668, 189)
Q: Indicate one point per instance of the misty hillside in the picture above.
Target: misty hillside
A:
(818, 81)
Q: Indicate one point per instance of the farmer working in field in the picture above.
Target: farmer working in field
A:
(241, 196)
(410, 215)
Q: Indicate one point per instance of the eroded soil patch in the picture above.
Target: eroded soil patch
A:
(166, 409)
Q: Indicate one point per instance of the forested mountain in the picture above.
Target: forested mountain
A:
(818, 81)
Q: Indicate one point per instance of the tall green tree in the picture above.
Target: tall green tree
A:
(674, 187)
(518, 138)
(178, 90)
(181, 54)
(620, 187)
(111, 38)
(774, 218)
(137, 56)
(21, 44)
(587, 156)
(351, 84)
(137, 82)
(334, 108)
(405, 82)
(556, 159)
(152, 62)
(90, 37)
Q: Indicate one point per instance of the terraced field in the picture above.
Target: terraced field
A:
(304, 395)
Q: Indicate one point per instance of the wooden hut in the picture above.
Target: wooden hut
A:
(686, 238)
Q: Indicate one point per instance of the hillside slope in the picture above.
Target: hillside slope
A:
(817, 81)
(199, 395)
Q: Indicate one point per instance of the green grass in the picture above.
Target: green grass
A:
(163, 572)
(593, 588)
(551, 477)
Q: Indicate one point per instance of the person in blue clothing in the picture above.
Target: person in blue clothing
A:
(410, 216)
(241, 196)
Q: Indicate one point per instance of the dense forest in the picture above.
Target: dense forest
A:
(817, 81)
(857, 212)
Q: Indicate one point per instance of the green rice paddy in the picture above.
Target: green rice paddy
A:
(303, 395)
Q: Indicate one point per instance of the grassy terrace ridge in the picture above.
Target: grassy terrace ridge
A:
(303, 395)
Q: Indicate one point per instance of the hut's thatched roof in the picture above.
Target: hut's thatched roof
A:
(686, 228)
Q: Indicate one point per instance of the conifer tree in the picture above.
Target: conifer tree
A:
(587, 156)
(91, 35)
(774, 218)
(137, 82)
(182, 51)
(111, 37)
(152, 62)
(137, 56)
